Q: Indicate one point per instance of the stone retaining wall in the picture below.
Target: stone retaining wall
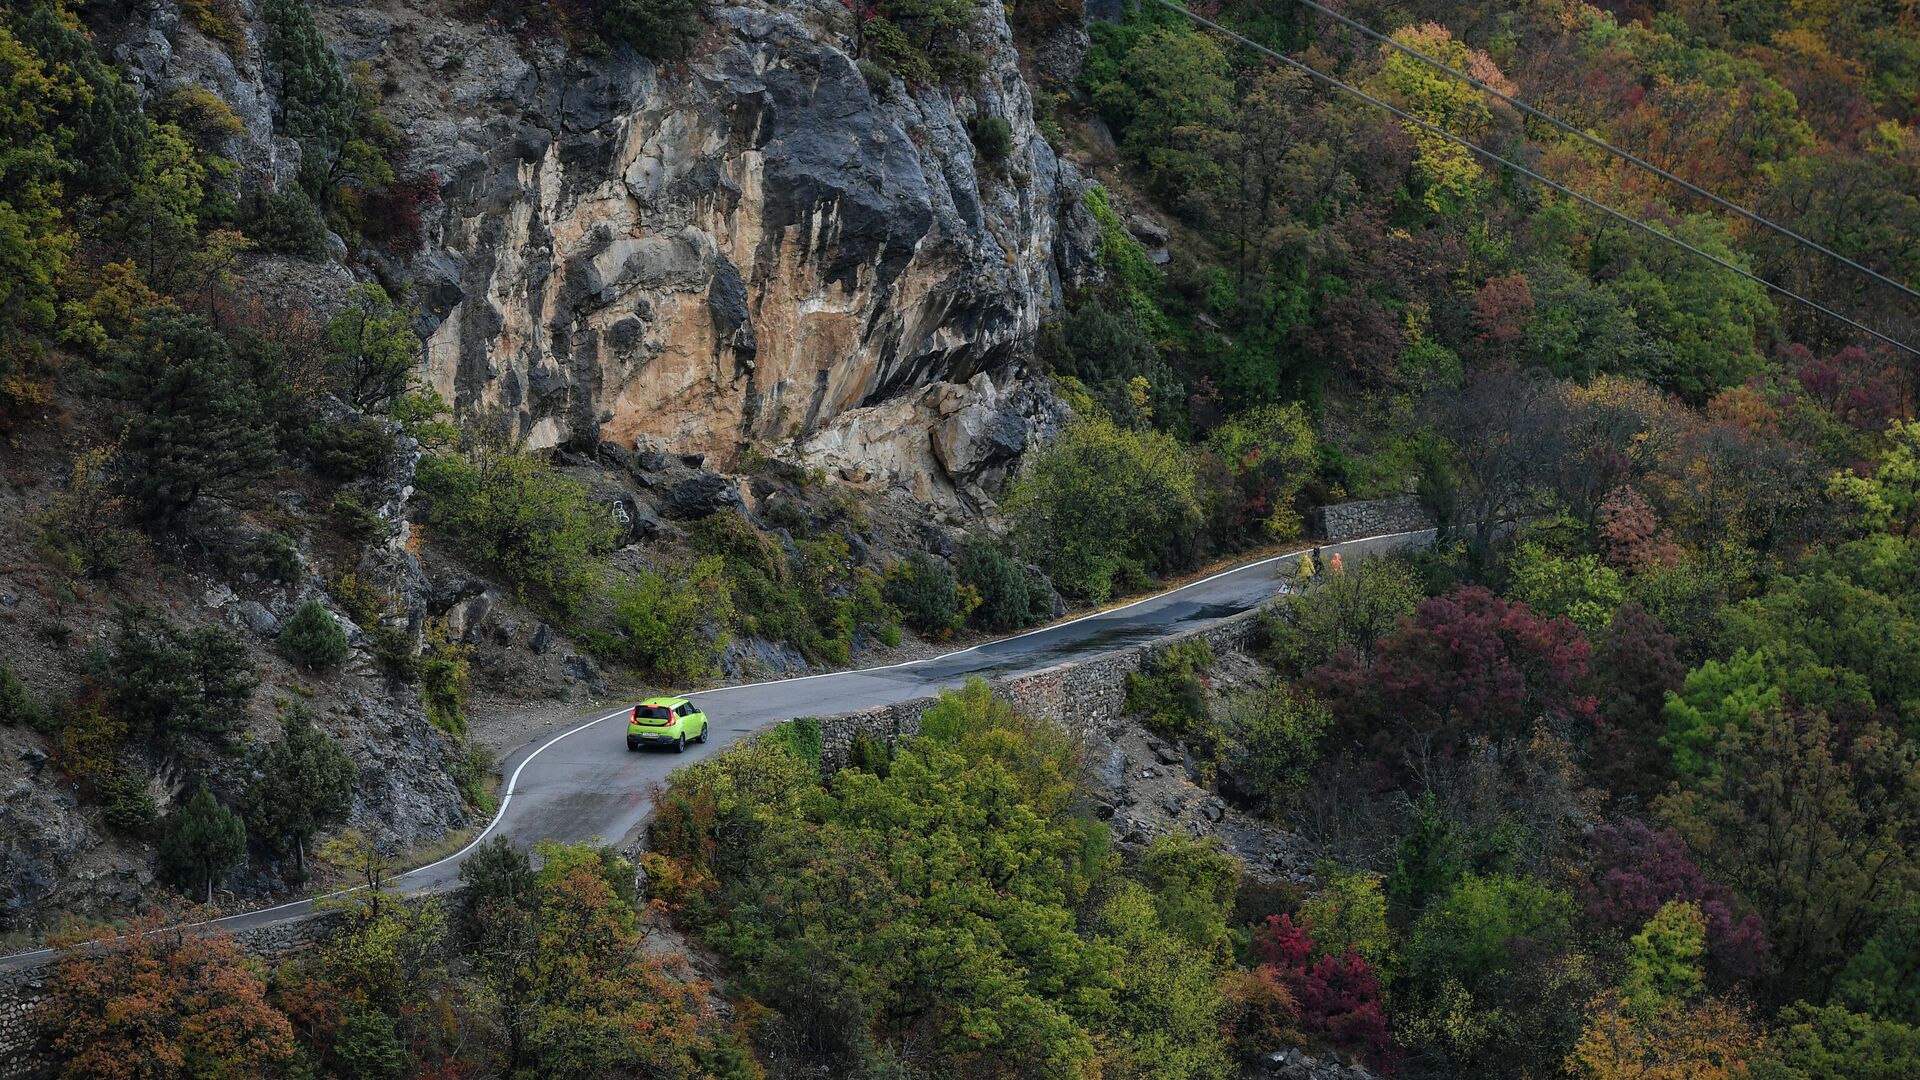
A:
(1080, 696)
(1402, 513)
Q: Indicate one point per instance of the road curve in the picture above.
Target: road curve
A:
(583, 783)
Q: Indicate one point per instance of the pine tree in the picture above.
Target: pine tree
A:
(313, 636)
(198, 428)
(203, 841)
(316, 105)
(16, 705)
(304, 784)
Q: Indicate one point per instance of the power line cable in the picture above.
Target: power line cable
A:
(1536, 177)
(1610, 148)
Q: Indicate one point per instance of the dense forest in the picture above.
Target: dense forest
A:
(1620, 780)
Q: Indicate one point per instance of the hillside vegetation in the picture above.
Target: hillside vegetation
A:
(1619, 780)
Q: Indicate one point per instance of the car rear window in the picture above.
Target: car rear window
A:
(654, 712)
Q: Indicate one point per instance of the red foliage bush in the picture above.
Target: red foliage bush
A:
(1630, 533)
(1859, 388)
(1466, 663)
(1502, 310)
(391, 215)
(1336, 997)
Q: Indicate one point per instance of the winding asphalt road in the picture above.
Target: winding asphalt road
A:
(583, 783)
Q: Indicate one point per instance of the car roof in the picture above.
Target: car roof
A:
(670, 702)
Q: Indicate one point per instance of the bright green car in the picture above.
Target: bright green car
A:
(666, 721)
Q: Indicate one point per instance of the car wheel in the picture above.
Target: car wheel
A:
(680, 745)
(702, 740)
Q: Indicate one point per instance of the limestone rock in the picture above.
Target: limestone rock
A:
(255, 617)
(749, 245)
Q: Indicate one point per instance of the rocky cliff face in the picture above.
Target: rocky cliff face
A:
(744, 247)
(749, 246)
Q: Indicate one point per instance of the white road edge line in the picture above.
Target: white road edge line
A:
(506, 798)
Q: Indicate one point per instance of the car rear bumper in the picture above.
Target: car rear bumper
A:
(658, 737)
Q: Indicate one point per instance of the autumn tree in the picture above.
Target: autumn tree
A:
(159, 1002)
(1888, 499)
(1659, 1023)
(1449, 175)
(1466, 662)
(1713, 1040)
(1337, 995)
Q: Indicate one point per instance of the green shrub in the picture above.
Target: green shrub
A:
(1172, 693)
(870, 753)
(1102, 506)
(815, 602)
(362, 602)
(1269, 741)
(16, 705)
(372, 349)
(367, 1044)
(886, 41)
(360, 523)
(284, 221)
(1349, 610)
(517, 513)
(392, 649)
(313, 638)
(354, 450)
(926, 593)
(84, 527)
(127, 803)
(473, 771)
(661, 29)
(1011, 596)
(1577, 587)
(673, 624)
(789, 515)
(445, 674)
(801, 737)
(879, 79)
(273, 557)
(219, 20)
(993, 137)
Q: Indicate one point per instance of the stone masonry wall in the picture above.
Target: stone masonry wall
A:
(1080, 696)
(1402, 513)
